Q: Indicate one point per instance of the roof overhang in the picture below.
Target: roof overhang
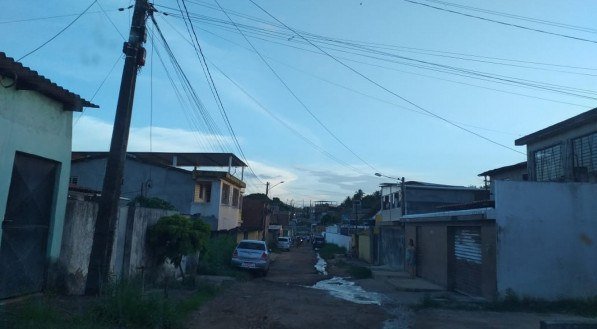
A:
(176, 159)
(560, 127)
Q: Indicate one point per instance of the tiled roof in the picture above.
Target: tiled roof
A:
(27, 79)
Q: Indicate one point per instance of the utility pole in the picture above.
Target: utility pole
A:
(266, 188)
(103, 238)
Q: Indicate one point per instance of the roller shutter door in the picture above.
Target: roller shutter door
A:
(466, 260)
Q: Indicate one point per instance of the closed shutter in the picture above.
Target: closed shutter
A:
(467, 259)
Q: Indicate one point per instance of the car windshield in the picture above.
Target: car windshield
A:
(251, 245)
(283, 239)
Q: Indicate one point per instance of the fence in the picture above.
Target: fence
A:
(339, 239)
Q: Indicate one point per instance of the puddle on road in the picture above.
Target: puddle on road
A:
(321, 265)
(347, 290)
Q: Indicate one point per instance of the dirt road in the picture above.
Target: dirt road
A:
(284, 299)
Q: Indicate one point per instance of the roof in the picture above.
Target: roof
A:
(176, 159)
(560, 127)
(206, 174)
(520, 165)
(28, 79)
(423, 185)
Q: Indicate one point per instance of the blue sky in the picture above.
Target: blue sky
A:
(380, 128)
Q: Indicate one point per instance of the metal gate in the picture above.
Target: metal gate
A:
(391, 248)
(25, 225)
(466, 259)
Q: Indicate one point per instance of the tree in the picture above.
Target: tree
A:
(329, 219)
(175, 236)
(358, 195)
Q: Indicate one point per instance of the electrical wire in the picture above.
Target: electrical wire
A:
(110, 20)
(388, 90)
(57, 34)
(296, 96)
(503, 23)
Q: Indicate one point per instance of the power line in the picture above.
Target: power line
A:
(502, 23)
(219, 100)
(59, 32)
(294, 94)
(110, 20)
(386, 89)
(519, 17)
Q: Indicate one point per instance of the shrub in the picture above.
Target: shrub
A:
(153, 202)
(215, 260)
(175, 236)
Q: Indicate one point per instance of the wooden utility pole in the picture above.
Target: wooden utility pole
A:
(103, 238)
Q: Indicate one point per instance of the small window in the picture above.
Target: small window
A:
(74, 180)
(235, 197)
(225, 194)
(585, 157)
(202, 192)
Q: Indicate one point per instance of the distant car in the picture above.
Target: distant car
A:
(318, 242)
(284, 242)
(252, 255)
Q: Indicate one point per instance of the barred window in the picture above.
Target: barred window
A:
(548, 164)
(202, 192)
(235, 197)
(585, 156)
(225, 194)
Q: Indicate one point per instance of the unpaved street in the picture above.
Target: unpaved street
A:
(284, 299)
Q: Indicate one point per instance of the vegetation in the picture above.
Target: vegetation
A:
(329, 250)
(155, 203)
(175, 236)
(122, 306)
(513, 303)
(215, 260)
(328, 219)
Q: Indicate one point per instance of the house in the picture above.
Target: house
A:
(215, 195)
(515, 172)
(565, 151)
(255, 217)
(420, 197)
(35, 144)
(535, 237)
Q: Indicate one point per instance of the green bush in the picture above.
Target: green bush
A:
(155, 203)
(175, 236)
(215, 260)
(329, 250)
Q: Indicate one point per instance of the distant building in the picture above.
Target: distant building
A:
(215, 195)
(565, 151)
(35, 143)
(255, 217)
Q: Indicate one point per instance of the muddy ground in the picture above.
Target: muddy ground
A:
(285, 299)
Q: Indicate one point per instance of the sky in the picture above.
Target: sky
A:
(340, 118)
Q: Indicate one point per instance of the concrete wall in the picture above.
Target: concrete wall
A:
(173, 185)
(339, 239)
(547, 239)
(129, 252)
(34, 124)
(565, 140)
(211, 208)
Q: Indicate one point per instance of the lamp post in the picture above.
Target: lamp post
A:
(267, 187)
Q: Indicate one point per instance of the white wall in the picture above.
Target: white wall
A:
(547, 239)
(339, 239)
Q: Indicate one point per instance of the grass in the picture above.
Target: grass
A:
(216, 258)
(121, 306)
(513, 303)
(355, 271)
(329, 250)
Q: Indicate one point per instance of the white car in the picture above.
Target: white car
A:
(284, 243)
(251, 255)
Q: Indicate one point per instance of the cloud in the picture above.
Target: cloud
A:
(92, 134)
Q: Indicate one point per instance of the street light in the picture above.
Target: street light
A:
(267, 188)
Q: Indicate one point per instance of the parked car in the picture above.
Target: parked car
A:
(252, 255)
(318, 242)
(284, 243)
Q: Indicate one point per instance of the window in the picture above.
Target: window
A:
(202, 192)
(74, 180)
(397, 200)
(225, 193)
(585, 156)
(548, 164)
(235, 197)
(386, 202)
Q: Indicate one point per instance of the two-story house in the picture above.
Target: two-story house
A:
(173, 177)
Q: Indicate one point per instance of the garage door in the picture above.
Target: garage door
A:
(466, 260)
